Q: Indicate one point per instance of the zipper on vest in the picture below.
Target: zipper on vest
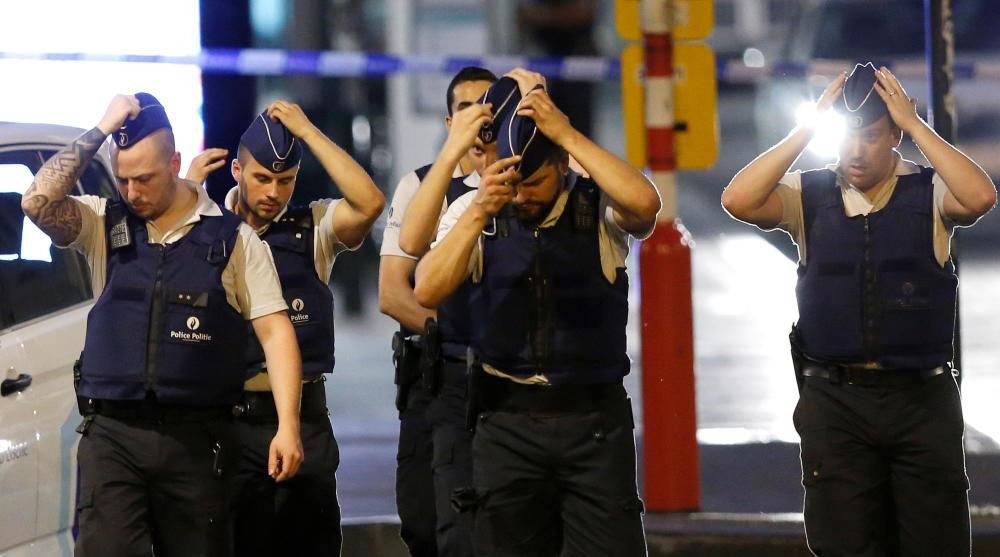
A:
(155, 318)
(540, 342)
(868, 302)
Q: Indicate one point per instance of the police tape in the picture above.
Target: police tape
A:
(328, 63)
(346, 64)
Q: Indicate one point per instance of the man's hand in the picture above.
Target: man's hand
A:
(551, 121)
(465, 126)
(526, 81)
(495, 190)
(292, 116)
(902, 109)
(285, 455)
(205, 163)
(121, 108)
(831, 93)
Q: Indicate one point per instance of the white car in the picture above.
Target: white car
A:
(45, 295)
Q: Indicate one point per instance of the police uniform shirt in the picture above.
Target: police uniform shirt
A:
(250, 279)
(405, 190)
(327, 245)
(613, 246)
(856, 203)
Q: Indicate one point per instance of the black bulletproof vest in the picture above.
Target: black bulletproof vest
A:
(547, 306)
(310, 301)
(871, 288)
(162, 324)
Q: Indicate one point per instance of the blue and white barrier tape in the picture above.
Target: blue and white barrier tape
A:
(348, 64)
(357, 64)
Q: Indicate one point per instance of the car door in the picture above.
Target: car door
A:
(45, 295)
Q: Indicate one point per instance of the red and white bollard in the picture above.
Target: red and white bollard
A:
(668, 389)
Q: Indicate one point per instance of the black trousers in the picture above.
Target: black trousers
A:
(558, 485)
(884, 469)
(298, 517)
(146, 485)
(452, 460)
(414, 476)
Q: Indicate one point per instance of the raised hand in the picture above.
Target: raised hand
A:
(120, 109)
(902, 109)
(204, 163)
(551, 121)
(292, 116)
(526, 80)
(495, 188)
(465, 126)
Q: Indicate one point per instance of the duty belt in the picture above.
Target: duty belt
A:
(150, 410)
(868, 377)
(258, 406)
(505, 395)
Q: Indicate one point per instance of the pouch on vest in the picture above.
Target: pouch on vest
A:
(119, 232)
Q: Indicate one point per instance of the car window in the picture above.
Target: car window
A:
(36, 278)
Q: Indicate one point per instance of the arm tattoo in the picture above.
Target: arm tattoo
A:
(45, 202)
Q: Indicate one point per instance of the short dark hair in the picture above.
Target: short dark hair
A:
(468, 73)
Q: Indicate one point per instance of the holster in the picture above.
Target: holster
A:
(473, 389)
(406, 360)
(430, 356)
(798, 357)
(85, 405)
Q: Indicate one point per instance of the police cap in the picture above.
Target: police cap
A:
(861, 104)
(520, 136)
(152, 116)
(504, 94)
(271, 144)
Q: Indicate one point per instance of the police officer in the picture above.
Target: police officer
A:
(162, 366)
(300, 517)
(879, 413)
(472, 129)
(554, 456)
(428, 524)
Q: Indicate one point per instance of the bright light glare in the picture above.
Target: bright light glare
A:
(101, 26)
(76, 93)
(830, 129)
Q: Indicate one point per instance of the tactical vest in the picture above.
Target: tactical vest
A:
(420, 173)
(309, 299)
(871, 288)
(162, 323)
(455, 313)
(547, 306)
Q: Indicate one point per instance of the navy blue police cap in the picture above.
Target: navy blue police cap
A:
(861, 104)
(271, 144)
(504, 94)
(152, 116)
(520, 136)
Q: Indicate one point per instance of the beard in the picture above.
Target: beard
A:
(533, 212)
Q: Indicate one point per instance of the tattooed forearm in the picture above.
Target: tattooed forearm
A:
(45, 202)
